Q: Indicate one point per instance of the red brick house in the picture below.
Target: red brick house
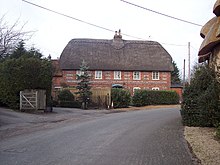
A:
(131, 64)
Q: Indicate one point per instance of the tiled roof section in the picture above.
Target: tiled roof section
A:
(130, 55)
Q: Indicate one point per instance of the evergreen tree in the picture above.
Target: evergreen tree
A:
(84, 85)
(175, 76)
(19, 50)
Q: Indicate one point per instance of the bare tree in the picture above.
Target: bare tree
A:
(10, 36)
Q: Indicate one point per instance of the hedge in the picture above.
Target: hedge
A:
(23, 73)
(201, 105)
(121, 98)
(147, 97)
(66, 99)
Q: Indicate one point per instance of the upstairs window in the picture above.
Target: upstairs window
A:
(78, 73)
(98, 74)
(117, 75)
(136, 75)
(155, 76)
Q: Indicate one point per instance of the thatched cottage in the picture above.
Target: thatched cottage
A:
(210, 47)
(131, 64)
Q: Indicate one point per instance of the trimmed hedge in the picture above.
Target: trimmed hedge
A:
(121, 98)
(147, 97)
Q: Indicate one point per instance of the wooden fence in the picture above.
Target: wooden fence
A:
(101, 97)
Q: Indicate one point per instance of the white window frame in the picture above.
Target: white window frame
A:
(155, 76)
(155, 88)
(98, 74)
(117, 75)
(78, 73)
(136, 75)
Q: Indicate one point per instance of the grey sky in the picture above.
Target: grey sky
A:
(53, 31)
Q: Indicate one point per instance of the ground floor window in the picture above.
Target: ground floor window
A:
(155, 89)
(135, 89)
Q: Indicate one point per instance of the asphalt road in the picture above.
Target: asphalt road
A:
(146, 137)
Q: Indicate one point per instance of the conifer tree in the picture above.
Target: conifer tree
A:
(84, 85)
(175, 76)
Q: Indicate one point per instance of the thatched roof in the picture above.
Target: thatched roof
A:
(116, 54)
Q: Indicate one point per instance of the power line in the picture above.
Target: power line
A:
(172, 44)
(88, 23)
(160, 13)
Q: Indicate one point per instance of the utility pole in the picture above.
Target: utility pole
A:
(189, 63)
(184, 73)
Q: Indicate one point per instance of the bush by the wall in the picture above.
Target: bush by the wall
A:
(147, 97)
(200, 105)
(67, 99)
(121, 98)
(65, 95)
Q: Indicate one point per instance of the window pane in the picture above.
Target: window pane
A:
(136, 75)
(155, 75)
(98, 74)
(117, 74)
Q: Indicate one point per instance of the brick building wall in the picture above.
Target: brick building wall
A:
(127, 79)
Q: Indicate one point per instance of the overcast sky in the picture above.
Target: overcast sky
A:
(53, 31)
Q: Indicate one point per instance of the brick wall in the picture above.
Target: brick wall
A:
(126, 79)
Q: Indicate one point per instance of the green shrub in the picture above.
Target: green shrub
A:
(65, 95)
(147, 97)
(23, 73)
(67, 99)
(121, 98)
(200, 105)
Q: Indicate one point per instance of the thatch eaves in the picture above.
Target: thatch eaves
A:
(116, 54)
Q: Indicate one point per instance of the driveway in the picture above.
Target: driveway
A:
(146, 137)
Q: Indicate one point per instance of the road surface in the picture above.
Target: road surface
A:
(146, 137)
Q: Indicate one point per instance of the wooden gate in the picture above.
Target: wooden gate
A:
(101, 97)
(32, 99)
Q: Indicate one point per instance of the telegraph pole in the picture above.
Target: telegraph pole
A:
(184, 73)
(189, 63)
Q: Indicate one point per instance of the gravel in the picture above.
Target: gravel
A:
(204, 144)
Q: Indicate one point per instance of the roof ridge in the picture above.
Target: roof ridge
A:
(109, 41)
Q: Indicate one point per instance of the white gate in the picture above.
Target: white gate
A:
(32, 99)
